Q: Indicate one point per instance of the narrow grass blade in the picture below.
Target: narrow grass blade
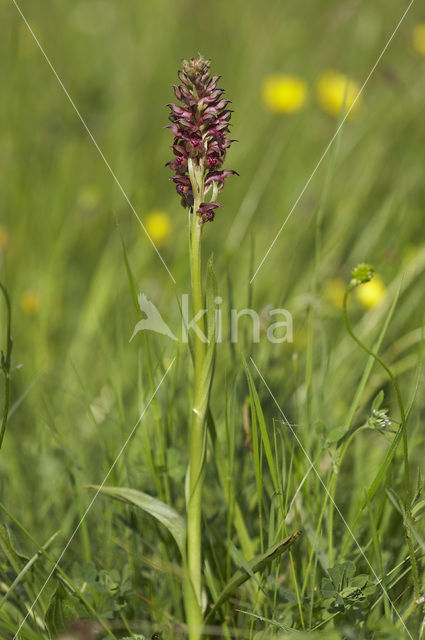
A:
(247, 545)
(256, 564)
(256, 408)
(129, 273)
(25, 569)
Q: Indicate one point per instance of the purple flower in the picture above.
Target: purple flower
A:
(200, 126)
(206, 210)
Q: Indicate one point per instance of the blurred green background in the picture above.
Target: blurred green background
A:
(81, 383)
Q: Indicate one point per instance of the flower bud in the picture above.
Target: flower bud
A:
(362, 273)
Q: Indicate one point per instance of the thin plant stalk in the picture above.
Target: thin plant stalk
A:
(408, 512)
(197, 429)
(6, 363)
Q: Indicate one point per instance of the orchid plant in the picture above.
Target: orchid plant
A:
(200, 124)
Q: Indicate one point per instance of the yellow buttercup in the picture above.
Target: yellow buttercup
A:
(158, 226)
(284, 93)
(372, 293)
(419, 38)
(334, 90)
(30, 302)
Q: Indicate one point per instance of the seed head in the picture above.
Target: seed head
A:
(379, 420)
(200, 126)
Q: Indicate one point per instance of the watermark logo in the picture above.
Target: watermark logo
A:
(153, 320)
(275, 324)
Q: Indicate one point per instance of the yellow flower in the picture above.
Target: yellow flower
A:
(419, 38)
(334, 90)
(334, 291)
(4, 237)
(371, 293)
(284, 93)
(30, 302)
(158, 226)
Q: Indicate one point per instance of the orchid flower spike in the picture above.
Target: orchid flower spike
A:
(200, 126)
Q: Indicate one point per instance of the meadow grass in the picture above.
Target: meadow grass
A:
(294, 443)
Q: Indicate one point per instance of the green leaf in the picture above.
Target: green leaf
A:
(349, 570)
(360, 581)
(244, 564)
(349, 592)
(289, 595)
(7, 546)
(417, 508)
(256, 564)
(86, 572)
(336, 574)
(336, 434)
(376, 404)
(369, 590)
(327, 588)
(63, 608)
(396, 501)
(203, 386)
(159, 510)
(341, 574)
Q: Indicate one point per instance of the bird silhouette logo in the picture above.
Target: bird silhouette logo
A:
(153, 320)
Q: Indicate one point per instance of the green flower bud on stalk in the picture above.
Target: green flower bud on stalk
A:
(361, 274)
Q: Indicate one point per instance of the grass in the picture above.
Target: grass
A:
(82, 385)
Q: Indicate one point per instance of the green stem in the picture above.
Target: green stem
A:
(403, 431)
(5, 364)
(333, 486)
(197, 292)
(198, 426)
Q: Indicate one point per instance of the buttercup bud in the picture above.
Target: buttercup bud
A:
(362, 273)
